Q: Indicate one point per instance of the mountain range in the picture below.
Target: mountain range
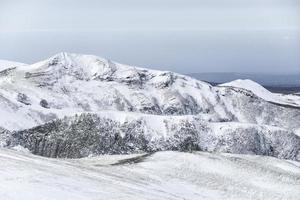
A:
(83, 127)
(270, 80)
(74, 106)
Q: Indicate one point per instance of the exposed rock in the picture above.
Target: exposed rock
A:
(44, 103)
(23, 98)
(90, 134)
(5, 137)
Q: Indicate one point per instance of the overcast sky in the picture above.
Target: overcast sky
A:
(179, 35)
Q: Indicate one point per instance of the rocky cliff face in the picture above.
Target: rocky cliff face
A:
(5, 138)
(92, 134)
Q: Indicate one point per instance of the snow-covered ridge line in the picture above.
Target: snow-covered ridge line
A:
(69, 83)
(5, 64)
(93, 66)
(260, 91)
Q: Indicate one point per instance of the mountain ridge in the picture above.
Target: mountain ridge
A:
(159, 110)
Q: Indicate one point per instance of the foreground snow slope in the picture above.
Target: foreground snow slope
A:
(163, 175)
(263, 93)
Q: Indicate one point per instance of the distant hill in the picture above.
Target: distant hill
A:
(4, 64)
(283, 83)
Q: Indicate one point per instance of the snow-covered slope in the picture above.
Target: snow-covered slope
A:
(163, 175)
(66, 85)
(263, 93)
(5, 64)
(73, 106)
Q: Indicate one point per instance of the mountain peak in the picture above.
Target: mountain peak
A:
(70, 67)
(262, 92)
(62, 65)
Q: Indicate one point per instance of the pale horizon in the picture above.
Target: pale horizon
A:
(257, 36)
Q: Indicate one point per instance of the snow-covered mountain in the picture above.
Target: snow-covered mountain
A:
(136, 109)
(263, 93)
(4, 64)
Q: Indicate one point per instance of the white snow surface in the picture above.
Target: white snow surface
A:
(73, 83)
(162, 175)
(263, 93)
(5, 64)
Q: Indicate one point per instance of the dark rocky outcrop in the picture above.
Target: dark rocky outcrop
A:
(90, 134)
(5, 137)
(44, 103)
(23, 98)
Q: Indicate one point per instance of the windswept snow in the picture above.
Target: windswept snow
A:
(163, 175)
(263, 93)
(291, 99)
(5, 64)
